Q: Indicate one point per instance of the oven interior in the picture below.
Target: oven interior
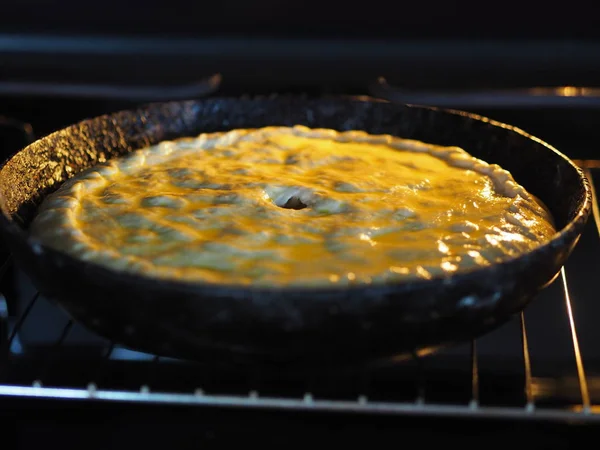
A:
(537, 377)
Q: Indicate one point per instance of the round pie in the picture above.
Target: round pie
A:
(283, 206)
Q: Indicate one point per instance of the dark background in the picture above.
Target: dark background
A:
(273, 45)
(374, 18)
(314, 47)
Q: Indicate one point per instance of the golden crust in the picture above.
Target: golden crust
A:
(213, 208)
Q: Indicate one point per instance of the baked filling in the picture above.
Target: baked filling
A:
(293, 206)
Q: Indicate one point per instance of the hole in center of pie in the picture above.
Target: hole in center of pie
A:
(293, 203)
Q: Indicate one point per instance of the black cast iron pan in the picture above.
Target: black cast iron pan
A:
(327, 326)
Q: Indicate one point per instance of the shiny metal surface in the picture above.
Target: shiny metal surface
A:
(307, 403)
(111, 92)
(530, 98)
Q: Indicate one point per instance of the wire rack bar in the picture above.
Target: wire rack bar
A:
(474, 375)
(151, 374)
(100, 371)
(22, 318)
(527, 365)
(201, 88)
(420, 398)
(585, 394)
(5, 265)
(52, 352)
(307, 403)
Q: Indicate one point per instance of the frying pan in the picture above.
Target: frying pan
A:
(289, 327)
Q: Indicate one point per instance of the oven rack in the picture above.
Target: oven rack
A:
(54, 372)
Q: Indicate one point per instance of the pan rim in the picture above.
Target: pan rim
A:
(572, 229)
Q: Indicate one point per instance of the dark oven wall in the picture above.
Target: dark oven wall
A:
(273, 45)
(310, 18)
(52, 55)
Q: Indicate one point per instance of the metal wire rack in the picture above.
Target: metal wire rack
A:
(539, 372)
